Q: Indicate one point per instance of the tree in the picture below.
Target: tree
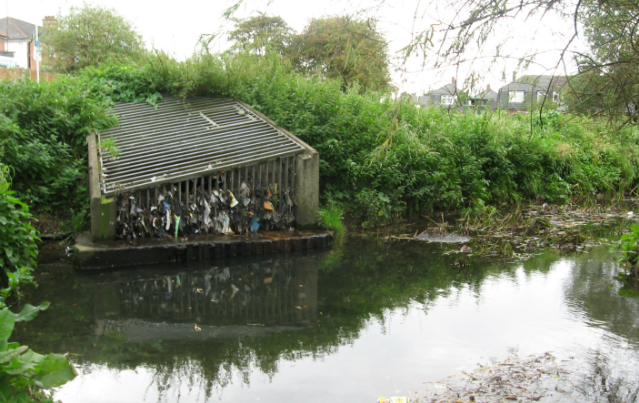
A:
(343, 47)
(256, 34)
(92, 36)
(606, 82)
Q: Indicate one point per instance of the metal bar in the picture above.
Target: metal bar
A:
(253, 179)
(279, 190)
(231, 185)
(263, 152)
(177, 122)
(168, 131)
(286, 174)
(214, 150)
(294, 165)
(113, 188)
(266, 174)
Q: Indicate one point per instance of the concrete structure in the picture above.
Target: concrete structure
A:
(89, 255)
(211, 165)
(529, 92)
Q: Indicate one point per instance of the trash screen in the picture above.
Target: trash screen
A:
(197, 166)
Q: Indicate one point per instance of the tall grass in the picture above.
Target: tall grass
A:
(382, 158)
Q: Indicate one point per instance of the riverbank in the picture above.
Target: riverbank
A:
(517, 232)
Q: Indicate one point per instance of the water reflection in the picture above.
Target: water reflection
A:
(364, 320)
(227, 301)
(593, 292)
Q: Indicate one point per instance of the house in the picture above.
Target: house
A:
(531, 91)
(18, 41)
(486, 99)
(446, 96)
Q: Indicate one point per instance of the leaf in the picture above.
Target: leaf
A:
(10, 355)
(635, 228)
(29, 311)
(7, 322)
(55, 371)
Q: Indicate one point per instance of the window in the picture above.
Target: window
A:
(448, 99)
(516, 96)
(555, 97)
(540, 96)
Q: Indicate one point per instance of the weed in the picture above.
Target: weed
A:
(330, 217)
(109, 146)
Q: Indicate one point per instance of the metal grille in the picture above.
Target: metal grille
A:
(205, 206)
(186, 139)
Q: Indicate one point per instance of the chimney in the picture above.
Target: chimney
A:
(487, 87)
(454, 81)
(49, 21)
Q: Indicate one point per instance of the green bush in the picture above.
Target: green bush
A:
(18, 250)
(43, 129)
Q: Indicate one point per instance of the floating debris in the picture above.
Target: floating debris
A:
(442, 238)
(536, 378)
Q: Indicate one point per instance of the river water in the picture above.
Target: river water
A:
(363, 320)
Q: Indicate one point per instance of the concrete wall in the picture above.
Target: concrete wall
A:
(307, 189)
(103, 210)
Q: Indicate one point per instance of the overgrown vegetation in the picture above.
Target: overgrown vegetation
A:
(629, 245)
(43, 129)
(388, 159)
(380, 159)
(17, 240)
(25, 375)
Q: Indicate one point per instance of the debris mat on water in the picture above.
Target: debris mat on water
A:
(536, 378)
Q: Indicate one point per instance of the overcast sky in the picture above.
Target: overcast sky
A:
(176, 26)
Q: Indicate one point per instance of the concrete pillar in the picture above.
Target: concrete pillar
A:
(307, 189)
(103, 210)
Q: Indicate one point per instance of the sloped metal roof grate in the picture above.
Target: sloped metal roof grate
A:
(182, 139)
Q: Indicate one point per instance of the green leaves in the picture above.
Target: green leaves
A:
(7, 322)
(93, 36)
(29, 312)
(22, 370)
(43, 129)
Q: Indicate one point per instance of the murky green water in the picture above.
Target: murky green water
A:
(349, 325)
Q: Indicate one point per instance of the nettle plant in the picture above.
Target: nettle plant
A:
(26, 375)
(629, 244)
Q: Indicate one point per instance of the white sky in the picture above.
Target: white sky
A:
(175, 26)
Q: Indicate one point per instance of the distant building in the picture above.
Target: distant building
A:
(531, 91)
(446, 96)
(486, 99)
(17, 43)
